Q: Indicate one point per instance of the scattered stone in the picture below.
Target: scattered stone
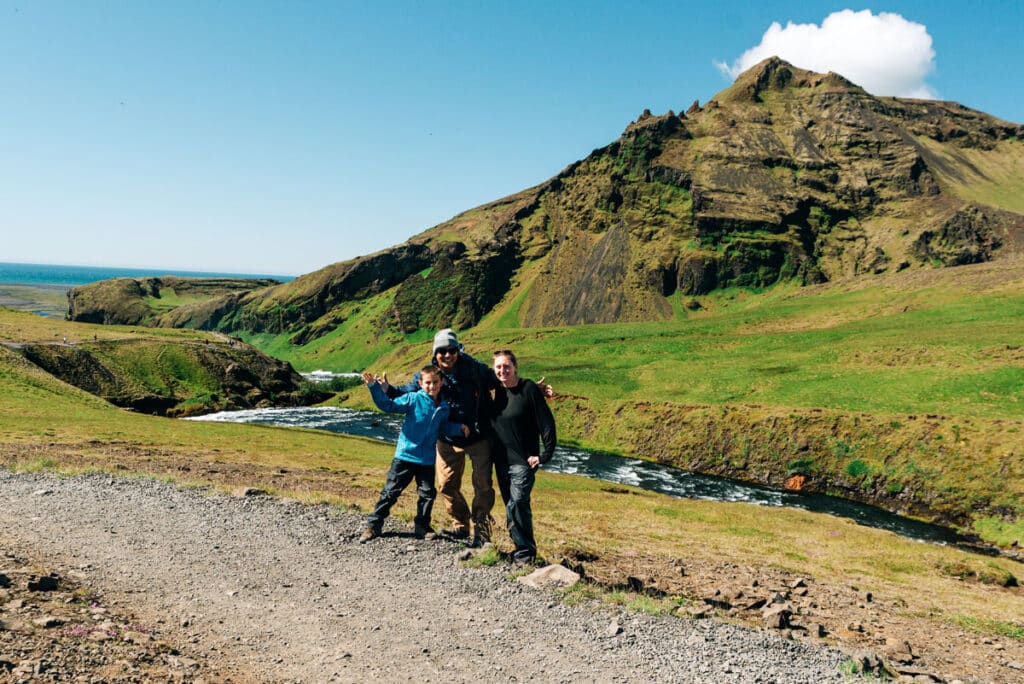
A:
(696, 611)
(797, 583)
(818, 630)
(614, 629)
(5, 581)
(755, 604)
(550, 576)
(47, 621)
(242, 492)
(867, 662)
(777, 616)
(44, 583)
(464, 555)
(916, 674)
(899, 651)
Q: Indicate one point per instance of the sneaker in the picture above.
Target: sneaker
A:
(368, 534)
(456, 533)
(424, 532)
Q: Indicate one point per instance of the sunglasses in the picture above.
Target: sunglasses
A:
(448, 351)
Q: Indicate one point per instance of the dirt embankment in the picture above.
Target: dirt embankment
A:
(899, 463)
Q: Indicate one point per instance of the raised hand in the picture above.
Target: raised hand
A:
(547, 390)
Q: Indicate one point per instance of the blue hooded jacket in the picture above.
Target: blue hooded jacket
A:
(467, 390)
(424, 422)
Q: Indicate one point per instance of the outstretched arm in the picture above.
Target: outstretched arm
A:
(545, 426)
(386, 403)
(397, 391)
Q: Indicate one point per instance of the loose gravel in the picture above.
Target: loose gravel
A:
(281, 590)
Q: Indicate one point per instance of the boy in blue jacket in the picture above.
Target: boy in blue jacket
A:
(426, 417)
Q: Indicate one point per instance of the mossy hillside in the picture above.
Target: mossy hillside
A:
(153, 370)
(904, 390)
(785, 175)
(360, 335)
(146, 301)
(992, 177)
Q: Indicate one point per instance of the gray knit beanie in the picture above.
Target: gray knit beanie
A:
(445, 338)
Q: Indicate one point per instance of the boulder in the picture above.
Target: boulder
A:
(550, 576)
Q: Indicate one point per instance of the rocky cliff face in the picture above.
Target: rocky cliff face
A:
(786, 174)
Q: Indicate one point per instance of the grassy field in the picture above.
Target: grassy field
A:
(905, 390)
(619, 531)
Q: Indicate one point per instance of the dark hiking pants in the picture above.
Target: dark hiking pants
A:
(516, 484)
(400, 474)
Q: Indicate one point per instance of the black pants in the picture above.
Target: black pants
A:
(516, 484)
(400, 474)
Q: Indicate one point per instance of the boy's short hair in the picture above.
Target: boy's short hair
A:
(431, 370)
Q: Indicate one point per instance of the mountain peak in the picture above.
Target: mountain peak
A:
(775, 74)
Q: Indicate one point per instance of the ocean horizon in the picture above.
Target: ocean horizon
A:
(64, 275)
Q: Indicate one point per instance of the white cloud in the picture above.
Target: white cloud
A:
(883, 53)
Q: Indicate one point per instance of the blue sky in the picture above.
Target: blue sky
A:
(260, 137)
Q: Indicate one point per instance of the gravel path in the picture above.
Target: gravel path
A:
(281, 590)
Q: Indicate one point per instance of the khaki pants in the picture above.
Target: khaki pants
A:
(451, 463)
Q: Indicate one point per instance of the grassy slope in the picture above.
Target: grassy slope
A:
(185, 367)
(48, 424)
(903, 383)
(992, 177)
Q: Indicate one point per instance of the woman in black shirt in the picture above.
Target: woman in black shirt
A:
(521, 421)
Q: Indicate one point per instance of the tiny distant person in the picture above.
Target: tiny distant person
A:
(426, 417)
(468, 384)
(522, 423)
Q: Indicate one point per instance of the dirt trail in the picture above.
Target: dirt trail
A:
(278, 591)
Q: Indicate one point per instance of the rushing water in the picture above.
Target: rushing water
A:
(611, 468)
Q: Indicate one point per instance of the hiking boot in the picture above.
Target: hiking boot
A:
(368, 534)
(424, 532)
(457, 533)
(481, 534)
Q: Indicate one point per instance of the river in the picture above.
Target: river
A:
(609, 467)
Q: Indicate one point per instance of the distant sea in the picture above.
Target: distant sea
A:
(50, 275)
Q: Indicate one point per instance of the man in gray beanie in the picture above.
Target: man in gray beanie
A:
(467, 389)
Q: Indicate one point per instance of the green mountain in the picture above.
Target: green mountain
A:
(785, 175)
